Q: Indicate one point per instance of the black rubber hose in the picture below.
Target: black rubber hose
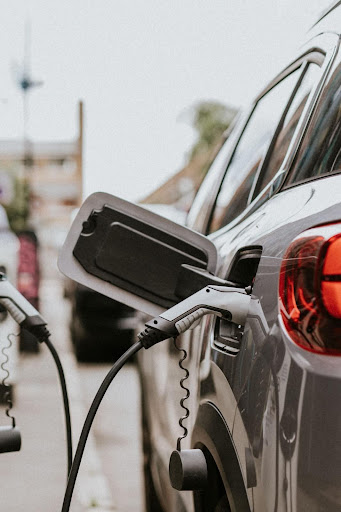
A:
(89, 420)
(65, 402)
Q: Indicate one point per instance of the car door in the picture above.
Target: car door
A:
(162, 366)
(250, 382)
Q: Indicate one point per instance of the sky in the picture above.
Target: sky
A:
(139, 66)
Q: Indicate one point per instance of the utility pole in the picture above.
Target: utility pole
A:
(26, 83)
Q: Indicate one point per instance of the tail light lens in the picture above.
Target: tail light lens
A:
(310, 290)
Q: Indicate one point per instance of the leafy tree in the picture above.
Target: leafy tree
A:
(18, 210)
(210, 119)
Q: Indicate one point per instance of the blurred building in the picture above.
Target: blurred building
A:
(41, 184)
(180, 189)
(213, 122)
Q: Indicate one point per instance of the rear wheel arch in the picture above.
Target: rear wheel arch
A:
(213, 436)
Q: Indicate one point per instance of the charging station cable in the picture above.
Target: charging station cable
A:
(90, 418)
(230, 302)
(66, 404)
(30, 319)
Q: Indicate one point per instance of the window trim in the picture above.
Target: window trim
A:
(289, 175)
(314, 55)
(308, 113)
(322, 55)
(209, 199)
(300, 62)
(257, 183)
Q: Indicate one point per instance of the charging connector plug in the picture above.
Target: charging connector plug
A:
(21, 310)
(223, 301)
(30, 319)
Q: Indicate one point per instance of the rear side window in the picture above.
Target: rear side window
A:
(287, 127)
(250, 152)
(320, 151)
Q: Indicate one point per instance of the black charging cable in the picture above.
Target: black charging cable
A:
(174, 321)
(90, 418)
(30, 319)
(42, 334)
(147, 339)
(66, 404)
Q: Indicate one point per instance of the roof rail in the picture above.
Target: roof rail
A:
(326, 11)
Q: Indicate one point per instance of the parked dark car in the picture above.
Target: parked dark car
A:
(101, 328)
(263, 392)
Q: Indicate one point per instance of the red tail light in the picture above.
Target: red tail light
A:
(310, 290)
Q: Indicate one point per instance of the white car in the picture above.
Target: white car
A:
(9, 244)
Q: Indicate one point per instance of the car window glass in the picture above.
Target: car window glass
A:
(320, 153)
(250, 152)
(288, 127)
(197, 214)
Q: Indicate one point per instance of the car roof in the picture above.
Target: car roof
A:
(327, 11)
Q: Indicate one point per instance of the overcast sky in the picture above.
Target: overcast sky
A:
(139, 65)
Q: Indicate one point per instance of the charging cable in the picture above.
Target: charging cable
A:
(30, 319)
(232, 303)
(90, 418)
(228, 302)
(66, 404)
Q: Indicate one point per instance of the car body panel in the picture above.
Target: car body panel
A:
(274, 237)
(273, 396)
(288, 214)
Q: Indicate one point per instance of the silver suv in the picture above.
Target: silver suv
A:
(263, 392)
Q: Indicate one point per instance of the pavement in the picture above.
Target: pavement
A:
(110, 477)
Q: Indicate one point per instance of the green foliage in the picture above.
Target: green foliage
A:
(18, 210)
(210, 119)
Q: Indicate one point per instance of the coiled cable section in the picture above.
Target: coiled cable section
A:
(4, 382)
(186, 415)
